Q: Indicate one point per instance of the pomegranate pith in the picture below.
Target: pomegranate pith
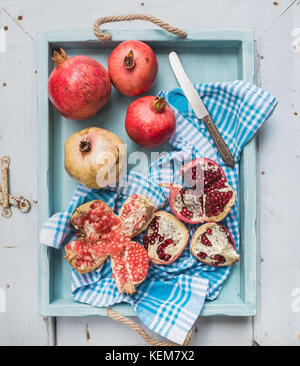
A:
(79, 86)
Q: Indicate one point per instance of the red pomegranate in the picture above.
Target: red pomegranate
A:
(132, 67)
(166, 238)
(210, 197)
(101, 235)
(79, 86)
(150, 122)
(213, 244)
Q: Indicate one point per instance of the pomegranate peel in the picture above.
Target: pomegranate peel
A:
(136, 214)
(130, 268)
(95, 157)
(166, 238)
(213, 245)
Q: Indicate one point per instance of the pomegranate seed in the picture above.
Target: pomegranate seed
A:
(202, 255)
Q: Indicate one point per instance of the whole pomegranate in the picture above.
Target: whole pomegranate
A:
(132, 67)
(150, 122)
(210, 197)
(213, 244)
(79, 86)
(95, 157)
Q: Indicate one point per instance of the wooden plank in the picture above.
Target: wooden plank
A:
(95, 331)
(278, 319)
(20, 324)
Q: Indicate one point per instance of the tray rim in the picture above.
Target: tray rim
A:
(249, 160)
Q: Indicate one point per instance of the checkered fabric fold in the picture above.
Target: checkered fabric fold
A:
(171, 298)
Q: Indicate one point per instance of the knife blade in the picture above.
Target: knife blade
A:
(199, 107)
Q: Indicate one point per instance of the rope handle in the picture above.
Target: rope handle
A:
(120, 18)
(122, 319)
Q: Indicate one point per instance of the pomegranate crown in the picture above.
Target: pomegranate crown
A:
(59, 58)
(129, 60)
(85, 146)
(159, 104)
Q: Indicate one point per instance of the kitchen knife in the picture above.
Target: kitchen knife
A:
(199, 108)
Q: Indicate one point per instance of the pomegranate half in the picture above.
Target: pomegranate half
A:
(213, 244)
(166, 238)
(79, 86)
(210, 197)
(150, 122)
(95, 157)
(132, 67)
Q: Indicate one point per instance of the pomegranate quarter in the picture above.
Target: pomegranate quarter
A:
(136, 214)
(166, 238)
(210, 197)
(79, 86)
(132, 67)
(150, 122)
(213, 244)
(130, 267)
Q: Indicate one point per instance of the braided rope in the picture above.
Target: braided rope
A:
(119, 18)
(120, 318)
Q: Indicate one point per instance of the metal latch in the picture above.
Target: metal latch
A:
(6, 199)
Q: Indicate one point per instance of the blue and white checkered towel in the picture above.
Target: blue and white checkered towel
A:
(171, 298)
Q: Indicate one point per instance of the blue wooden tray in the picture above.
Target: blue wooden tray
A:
(215, 55)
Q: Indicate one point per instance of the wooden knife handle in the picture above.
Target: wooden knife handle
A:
(219, 141)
